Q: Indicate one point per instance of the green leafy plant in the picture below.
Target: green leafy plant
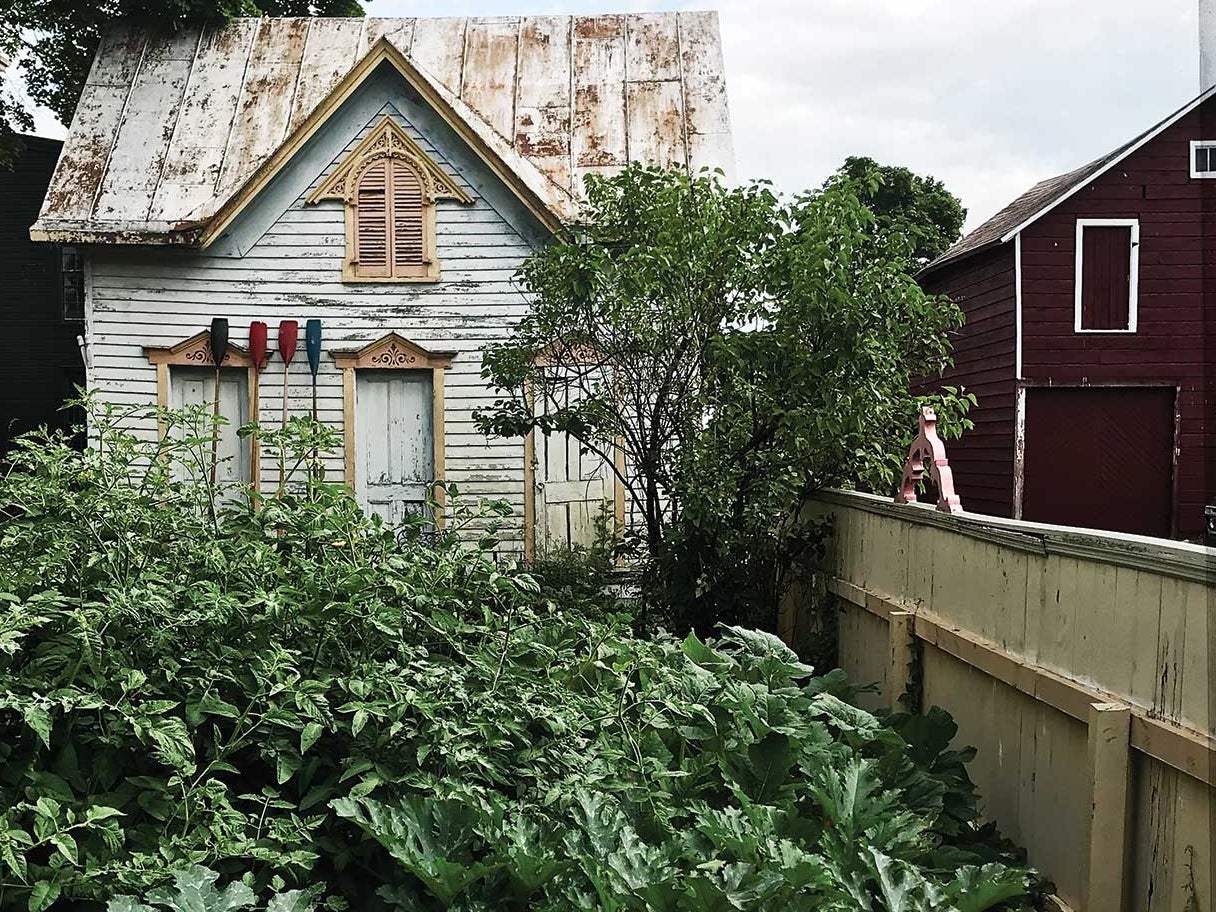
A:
(211, 702)
(579, 575)
(194, 890)
(904, 203)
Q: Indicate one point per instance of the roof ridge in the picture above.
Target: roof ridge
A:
(1039, 199)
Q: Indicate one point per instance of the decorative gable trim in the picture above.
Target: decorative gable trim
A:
(392, 351)
(388, 140)
(551, 204)
(568, 354)
(196, 352)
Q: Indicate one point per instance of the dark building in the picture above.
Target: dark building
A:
(41, 303)
(1089, 312)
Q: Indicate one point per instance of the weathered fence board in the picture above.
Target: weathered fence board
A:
(1079, 663)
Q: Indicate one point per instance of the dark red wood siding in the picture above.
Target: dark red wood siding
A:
(983, 287)
(1177, 256)
(1105, 276)
(1100, 457)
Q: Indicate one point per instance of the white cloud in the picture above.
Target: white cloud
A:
(987, 97)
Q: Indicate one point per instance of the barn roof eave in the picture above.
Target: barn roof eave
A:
(948, 259)
(1099, 167)
(1044, 196)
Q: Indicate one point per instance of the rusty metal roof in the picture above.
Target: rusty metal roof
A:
(1046, 195)
(171, 126)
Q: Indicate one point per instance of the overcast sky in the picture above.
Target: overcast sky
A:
(987, 97)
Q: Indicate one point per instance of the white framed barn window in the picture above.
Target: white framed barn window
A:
(1203, 158)
(1107, 275)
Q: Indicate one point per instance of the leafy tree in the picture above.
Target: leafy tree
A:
(627, 317)
(56, 41)
(920, 208)
(744, 351)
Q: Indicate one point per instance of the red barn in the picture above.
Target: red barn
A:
(1089, 305)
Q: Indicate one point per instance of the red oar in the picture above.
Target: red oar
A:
(219, 349)
(289, 332)
(257, 344)
(259, 354)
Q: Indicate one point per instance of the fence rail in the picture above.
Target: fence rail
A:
(1079, 663)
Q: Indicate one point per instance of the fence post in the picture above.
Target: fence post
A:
(900, 630)
(1110, 786)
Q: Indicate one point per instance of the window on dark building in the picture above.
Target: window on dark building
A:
(71, 284)
(1203, 158)
(1106, 275)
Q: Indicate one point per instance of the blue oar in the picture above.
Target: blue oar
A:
(312, 345)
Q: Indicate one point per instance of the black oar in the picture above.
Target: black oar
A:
(219, 349)
(259, 354)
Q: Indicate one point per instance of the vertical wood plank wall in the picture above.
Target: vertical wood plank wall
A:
(1035, 638)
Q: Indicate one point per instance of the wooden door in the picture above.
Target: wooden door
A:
(1100, 457)
(196, 386)
(394, 441)
(573, 487)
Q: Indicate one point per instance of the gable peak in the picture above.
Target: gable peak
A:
(388, 140)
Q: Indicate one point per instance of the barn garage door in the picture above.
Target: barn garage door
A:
(1100, 457)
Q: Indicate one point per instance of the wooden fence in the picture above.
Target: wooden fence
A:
(1081, 666)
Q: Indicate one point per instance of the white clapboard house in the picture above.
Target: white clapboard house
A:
(387, 177)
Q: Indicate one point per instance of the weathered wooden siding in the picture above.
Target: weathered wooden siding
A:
(984, 350)
(39, 359)
(292, 269)
(1022, 627)
(1175, 326)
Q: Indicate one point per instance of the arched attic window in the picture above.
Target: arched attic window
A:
(389, 186)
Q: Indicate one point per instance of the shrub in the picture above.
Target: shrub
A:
(282, 704)
(583, 576)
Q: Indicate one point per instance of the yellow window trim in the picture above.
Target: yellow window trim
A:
(196, 352)
(387, 140)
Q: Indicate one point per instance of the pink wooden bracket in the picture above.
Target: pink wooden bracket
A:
(928, 445)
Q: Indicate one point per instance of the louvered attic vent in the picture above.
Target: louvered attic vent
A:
(389, 186)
